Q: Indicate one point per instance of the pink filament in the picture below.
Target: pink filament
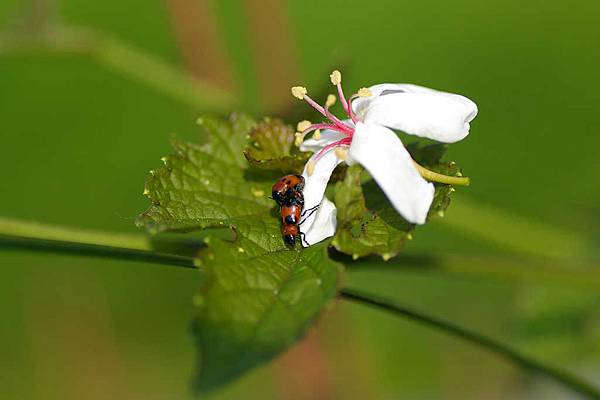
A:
(345, 127)
(350, 112)
(325, 113)
(343, 142)
(342, 98)
(314, 127)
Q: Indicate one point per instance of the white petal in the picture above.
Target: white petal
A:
(418, 110)
(316, 183)
(381, 152)
(327, 137)
(320, 225)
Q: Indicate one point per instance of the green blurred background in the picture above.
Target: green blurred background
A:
(85, 113)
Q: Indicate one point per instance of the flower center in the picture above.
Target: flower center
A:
(333, 123)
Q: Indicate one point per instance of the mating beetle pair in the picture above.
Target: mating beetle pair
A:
(287, 192)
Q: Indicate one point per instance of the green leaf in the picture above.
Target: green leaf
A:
(368, 224)
(255, 303)
(272, 147)
(257, 296)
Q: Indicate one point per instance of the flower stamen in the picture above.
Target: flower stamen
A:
(336, 77)
(341, 153)
(330, 101)
(301, 93)
(362, 92)
(303, 125)
(342, 142)
(310, 168)
(325, 126)
(336, 80)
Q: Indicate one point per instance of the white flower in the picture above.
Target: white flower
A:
(365, 138)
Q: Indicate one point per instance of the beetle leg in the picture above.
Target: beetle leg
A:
(312, 211)
(302, 236)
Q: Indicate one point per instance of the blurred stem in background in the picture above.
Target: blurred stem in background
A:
(38, 32)
(556, 374)
(33, 236)
(39, 236)
(49, 238)
(124, 60)
(268, 34)
(200, 41)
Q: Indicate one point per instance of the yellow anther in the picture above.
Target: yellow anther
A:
(317, 134)
(303, 125)
(299, 92)
(310, 168)
(336, 77)
(364, 92)
(299, 139)
(341, 153)
(330, 100)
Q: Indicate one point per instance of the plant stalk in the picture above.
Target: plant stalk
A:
(435, 177)
(560, 376)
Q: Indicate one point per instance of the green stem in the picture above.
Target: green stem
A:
(488, 267)
(125, 60)
(33, 236)
(435, 177)
(94, 250)
(558, 375)
(36, 230)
